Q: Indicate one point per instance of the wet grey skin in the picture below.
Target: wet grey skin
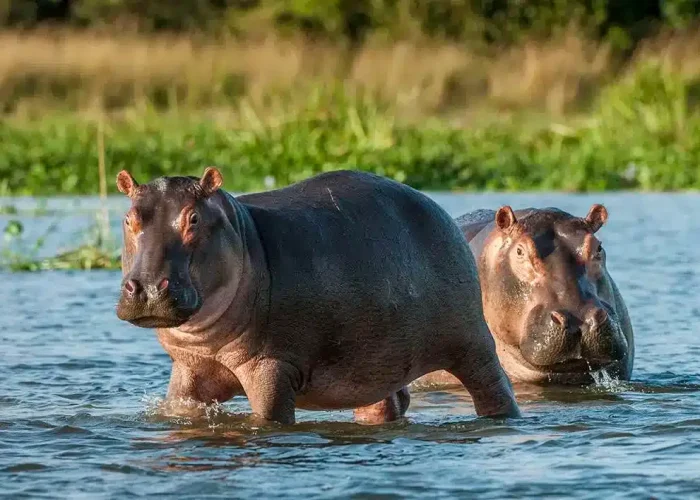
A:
(333, 293)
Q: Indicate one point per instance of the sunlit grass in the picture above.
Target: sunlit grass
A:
(84, 71)
(642, 134)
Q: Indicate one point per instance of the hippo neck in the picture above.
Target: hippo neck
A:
(241, 305)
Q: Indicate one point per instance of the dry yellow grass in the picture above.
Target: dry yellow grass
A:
(676, 53)
(83, 71)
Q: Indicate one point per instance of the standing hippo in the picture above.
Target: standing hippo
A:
(331, 293)
(555, 313)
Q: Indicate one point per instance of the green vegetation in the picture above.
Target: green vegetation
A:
(17, 254)
(83, 258)
(640, 136)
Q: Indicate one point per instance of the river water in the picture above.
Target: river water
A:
(80, 418)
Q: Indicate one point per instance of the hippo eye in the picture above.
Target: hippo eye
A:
(194, 219)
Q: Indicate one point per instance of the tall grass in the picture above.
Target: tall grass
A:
(639, 135)
(561, 114)
(87, 71)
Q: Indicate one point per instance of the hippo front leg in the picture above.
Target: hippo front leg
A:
(270, 386)
(182, 384)
(182, 392)
(387, 410)
(186, 386)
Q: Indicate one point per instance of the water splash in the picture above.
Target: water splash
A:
(604, 381)
(183, 411)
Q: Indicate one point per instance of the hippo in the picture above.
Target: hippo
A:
(554, 310)
(332, 293)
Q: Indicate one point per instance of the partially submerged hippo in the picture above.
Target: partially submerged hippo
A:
(332, 293)
(555, 313)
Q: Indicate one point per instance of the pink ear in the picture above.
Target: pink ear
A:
(126, 183)
(505, 218)
(211, 181)
(597, 216)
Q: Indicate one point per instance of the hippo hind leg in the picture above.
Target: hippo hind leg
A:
(387, 410)
(481, 373)
(489, 388)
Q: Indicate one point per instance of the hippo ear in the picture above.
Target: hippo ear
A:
(126, 183)
(505, 218)
(211, 181)
(597, 216)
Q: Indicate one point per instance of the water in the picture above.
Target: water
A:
(80, 413)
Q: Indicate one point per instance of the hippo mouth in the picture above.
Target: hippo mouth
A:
(162, 314)
(578, 365)
(157, 322)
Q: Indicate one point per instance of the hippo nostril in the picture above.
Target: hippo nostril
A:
(163, 284)
(597, 317)
(559, 319)
(132, 287)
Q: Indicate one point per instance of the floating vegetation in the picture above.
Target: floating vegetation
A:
(20, 255)
(8, 210)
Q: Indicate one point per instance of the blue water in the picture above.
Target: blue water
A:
(80, 414)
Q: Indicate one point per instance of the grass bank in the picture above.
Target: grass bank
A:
(86, 70)
(642, 134)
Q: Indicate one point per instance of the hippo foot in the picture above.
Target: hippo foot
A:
(388, 410)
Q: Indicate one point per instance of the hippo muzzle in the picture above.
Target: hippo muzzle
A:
(558, 341)
(161, 303)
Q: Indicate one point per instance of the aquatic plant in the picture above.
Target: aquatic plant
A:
(20, 254)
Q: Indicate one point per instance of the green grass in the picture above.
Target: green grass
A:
(643, 135)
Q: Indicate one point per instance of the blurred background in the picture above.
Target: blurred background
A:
(444, 95)
(441, 94)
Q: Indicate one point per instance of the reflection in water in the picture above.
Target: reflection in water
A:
(81, 410)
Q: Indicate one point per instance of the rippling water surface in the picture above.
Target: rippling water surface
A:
(80, 399)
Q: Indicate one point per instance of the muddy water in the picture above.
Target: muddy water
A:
(80, 410)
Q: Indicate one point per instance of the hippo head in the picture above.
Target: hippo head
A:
(172, 258)
(547, 294)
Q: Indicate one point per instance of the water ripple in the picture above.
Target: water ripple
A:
(82, 416)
